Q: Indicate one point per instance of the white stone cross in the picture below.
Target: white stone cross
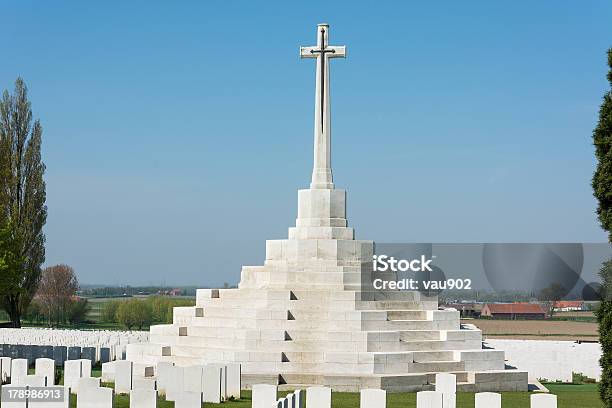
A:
(321, 172)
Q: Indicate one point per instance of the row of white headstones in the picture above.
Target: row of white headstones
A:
(445, 396)
(69, 337)
(188, 387)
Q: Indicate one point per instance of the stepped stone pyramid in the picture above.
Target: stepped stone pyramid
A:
(310, 316)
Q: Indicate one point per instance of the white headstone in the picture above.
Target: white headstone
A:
(72, 373)
(263, 395)
(140, 398)
(290, 401)
(447, 385)
(543, 401)
(488, 400)
(85, 367)
(298, 398)
(429, 399)
(233, 381)
(96, 398)
(29, 380)
(318, 397)
(55, 404)
(174, 387)
(108, 371)
(188, 400)
(192, 378)
(46, 367)
(5, 369)
(123, 377)
(84, 384)
(371, 398)
(212, 383)
(164, 375)
(143, 384)
(19, 368)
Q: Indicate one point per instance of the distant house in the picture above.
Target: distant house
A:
(175, 292)
(569, 306)
(466, 309)
(512, 311)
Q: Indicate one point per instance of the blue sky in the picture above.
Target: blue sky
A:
(177, 133)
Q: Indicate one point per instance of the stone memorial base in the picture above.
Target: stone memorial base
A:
(309, 316)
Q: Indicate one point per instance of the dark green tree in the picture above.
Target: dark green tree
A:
(602, 188)
(23, 212)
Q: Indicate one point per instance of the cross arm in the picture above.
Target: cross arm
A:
(307, 52)
(336, 51)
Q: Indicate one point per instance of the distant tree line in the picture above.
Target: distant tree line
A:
(118, 291)
(139, 313)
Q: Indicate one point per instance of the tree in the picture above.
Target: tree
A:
(551, 295)
(57, 287)
(134, 313)
(77, 310)
(109, 311)
(602, 189)
(23, 212)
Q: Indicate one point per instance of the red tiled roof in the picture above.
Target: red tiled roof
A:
(516, 308)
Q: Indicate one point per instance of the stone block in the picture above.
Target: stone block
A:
(318, 397)
(60, 355)
(96, 398)
(263, 395)
(372, 398)
(543, 401)
(123, 377)
(142, 398)
(487, 400)
(46, 367)
(429, 399)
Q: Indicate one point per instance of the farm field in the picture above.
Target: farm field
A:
(537, 329)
